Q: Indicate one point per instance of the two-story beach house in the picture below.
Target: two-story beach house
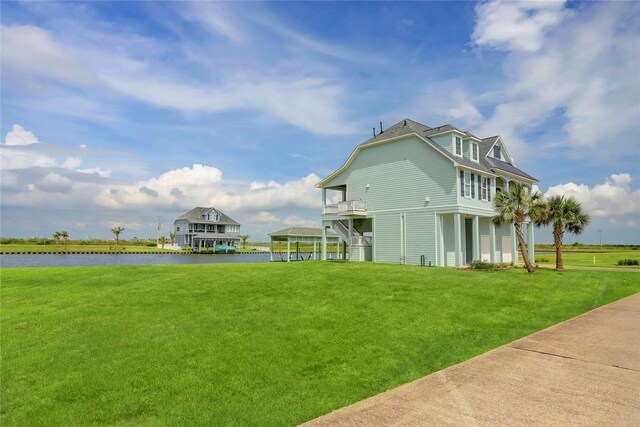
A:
(419, 195)
(206, 228)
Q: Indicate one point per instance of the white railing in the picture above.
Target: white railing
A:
(347, 207)
(360, 241)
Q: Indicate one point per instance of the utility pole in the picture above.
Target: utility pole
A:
(158, 233)
(600, 233)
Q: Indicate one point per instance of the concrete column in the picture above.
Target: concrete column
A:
(350, 241)
(514, 245)
(531, 244)
(456, 236)
(324, 199)
(288, 249)
(323, 255)
(476, 238)
(442, 255)
(492, 242)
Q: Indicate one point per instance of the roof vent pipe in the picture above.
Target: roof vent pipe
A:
(381, 127)
(374, 132)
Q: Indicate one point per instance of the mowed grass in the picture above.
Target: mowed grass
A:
(257, 344)
(604, 259)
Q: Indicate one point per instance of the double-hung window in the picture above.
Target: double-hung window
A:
(467, 184)
(484, 188)
(474, 151)
(496, 152)
(458, 147)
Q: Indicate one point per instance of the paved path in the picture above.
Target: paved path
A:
(582, 372)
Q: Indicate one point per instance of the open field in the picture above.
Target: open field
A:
(257, 344)
(604, 259)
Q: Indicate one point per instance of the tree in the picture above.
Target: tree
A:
(65, 237)
(56, 237)
(244, 238)
(564, 214)
(163, 240)
(514, 207)
(117, 231)
(172, 237)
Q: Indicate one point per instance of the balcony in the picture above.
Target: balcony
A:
(347, 208)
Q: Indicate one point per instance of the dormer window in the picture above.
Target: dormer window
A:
(458, 147)
(474, 151)
(496, 152)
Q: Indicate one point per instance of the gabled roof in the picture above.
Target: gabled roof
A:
(302, 232)
(408, 126)
(195, 215)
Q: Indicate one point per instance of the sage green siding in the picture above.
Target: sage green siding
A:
(444, 140)
(400, 175)
(387, 239)
(421, 237)
(475, 202)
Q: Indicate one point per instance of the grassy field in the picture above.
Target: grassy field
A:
(605, 259)
(256, 344)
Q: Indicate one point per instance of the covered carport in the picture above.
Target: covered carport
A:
(296, 236)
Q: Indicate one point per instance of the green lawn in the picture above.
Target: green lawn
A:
(256, 344)
(605, 259)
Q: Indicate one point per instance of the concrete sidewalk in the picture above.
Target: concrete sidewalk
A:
(582, 372)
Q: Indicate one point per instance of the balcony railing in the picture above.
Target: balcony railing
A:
(348, 207)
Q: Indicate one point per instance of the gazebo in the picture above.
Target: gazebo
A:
(304, 235)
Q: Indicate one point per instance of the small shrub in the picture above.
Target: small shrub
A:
(628, 261)
(543, 260)
(151, 245)
(482, 265)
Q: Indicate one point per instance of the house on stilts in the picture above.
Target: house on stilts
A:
(413, 194)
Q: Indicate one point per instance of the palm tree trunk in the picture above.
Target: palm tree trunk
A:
(558, 237)
(523, 248)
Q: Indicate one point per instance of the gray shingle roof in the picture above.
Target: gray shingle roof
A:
(195, 215)
(302, 231)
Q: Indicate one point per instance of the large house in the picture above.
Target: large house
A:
(206, 228)
(419, 195)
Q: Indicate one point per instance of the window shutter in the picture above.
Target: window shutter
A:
(479, 187)
(462, 183)
(489, 189)
(473, 187)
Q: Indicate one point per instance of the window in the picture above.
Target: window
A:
(473, 187)
(496, 152)
(474, 151)
(467, 184)
(177, 228)
(462, 183)
(458, 151)
(484, 188)
(489, 189)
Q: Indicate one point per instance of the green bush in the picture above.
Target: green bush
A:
(543, 260)
(482, 265)
(628, 261)
(152, 245)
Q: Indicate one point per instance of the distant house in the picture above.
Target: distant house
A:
(206, 228)
(420, 195)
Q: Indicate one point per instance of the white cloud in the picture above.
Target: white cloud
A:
(104, 173)
(510, 25)
(215, 16)
(584, 69)
(296, 221)
(71, 162)
(613, 198)
(31, 51)
(20, 136)
(54, 183)
(264, 216)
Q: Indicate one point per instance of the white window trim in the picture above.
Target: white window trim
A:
(475, 145)
(467, 194)
(484, 189)
(455, 146)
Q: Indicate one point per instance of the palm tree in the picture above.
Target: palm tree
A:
(514, 207)
(244, 238)
(565, 214)
(172, 237)
(56, 237)
(162, 240)
(117, 231)
(65, 236)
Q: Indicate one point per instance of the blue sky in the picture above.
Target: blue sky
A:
(116, 112)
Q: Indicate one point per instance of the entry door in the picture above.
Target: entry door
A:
(468, 234)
